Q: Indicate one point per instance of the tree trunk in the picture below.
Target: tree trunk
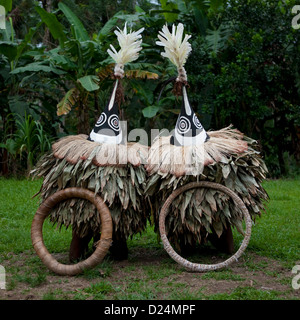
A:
(4, 162)
(4, 159)
(296, 142)
(47, 5)
(280, 123)
(83, 126)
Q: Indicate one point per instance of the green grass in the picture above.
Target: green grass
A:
(275, 235)
(247, 293)
(223, 275)
(16, 212)
(17, 209)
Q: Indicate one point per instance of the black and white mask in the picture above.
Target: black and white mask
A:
(107, 129)
(188, 130)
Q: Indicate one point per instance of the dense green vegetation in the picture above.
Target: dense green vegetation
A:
(55, 74)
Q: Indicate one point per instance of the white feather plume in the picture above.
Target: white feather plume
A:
(176, 48)
(130, 45)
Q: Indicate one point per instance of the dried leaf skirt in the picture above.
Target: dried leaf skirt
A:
(198, 212)
(116, 174)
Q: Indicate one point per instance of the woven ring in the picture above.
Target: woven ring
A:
(195, 266)
(102, 245)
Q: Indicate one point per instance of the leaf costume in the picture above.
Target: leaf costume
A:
(191, 154)
(101, 162)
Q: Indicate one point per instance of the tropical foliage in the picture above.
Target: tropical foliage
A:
(56, 74)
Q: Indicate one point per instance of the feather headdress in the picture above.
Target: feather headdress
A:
(188, 129)
(130, 46)
(107, 129)
(176, 48)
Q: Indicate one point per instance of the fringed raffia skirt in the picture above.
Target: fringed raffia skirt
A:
(227, 158)
(115, 172)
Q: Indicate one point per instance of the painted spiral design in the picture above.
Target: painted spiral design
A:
(113, 122)
(184, 125)
(196, 121)
(101, 119)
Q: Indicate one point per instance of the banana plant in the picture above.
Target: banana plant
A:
(29, 141)
(71, 64)
(13, 53)
(79, 64)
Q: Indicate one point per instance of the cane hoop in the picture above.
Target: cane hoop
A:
(196, 266)
(102, 245)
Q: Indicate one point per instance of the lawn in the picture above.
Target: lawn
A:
(277, 233)
(263, 272)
